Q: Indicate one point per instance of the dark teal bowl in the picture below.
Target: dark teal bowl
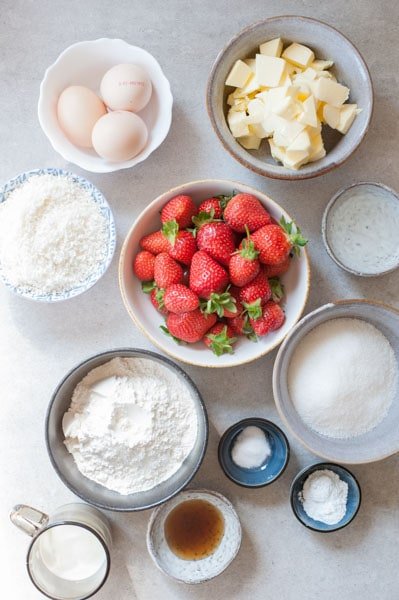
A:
(352, 504)
(272, 468)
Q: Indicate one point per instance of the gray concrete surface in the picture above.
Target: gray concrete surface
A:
(38, 344)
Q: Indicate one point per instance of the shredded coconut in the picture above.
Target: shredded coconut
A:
(343, 377)
(52, 235)
(324, 496)
(131, 424)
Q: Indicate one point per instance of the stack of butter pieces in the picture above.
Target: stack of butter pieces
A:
(285, 96)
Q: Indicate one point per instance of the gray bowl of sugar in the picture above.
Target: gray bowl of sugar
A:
(94, 492)
(358, 381)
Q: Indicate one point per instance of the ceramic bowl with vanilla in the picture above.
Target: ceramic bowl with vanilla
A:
(215, 273)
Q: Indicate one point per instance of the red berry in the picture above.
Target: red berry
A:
(181, 209)
(276, 270)
(190, 326)
(244, 265)
(166, 270)
(240, 325)
(245, 210)
(235, 293)
(220, 339)
(272, 318)
(275, 242)
(157, 300)
(206, 275)
(256, 289)
(178, 298)
(183, 248)
(217, 240)
(209, 205)
(143, 265)
(155, 242)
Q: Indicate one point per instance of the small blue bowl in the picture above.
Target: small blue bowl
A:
(272, 468)
(352, 505)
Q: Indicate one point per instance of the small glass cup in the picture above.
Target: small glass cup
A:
(79, 572)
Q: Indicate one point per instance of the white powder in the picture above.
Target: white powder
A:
(52, 235)
(251, 448)
(131, 424)
(324, 497)
(343, 378)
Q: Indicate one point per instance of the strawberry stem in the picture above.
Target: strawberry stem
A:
(253, 309)
(218, 303)
(221, 343)
(294, 234)
(148, 286)
(277, 289)
(167, 332)
(248, 250)
(170, 229)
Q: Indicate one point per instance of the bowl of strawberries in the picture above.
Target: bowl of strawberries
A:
(215, 273)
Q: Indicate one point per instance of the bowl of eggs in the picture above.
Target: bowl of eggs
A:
(105, 105)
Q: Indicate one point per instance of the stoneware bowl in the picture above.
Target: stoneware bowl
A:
(194, 571)
(85, 63)
(270, 470)
(352, 504)
(144, 315)
(380, 442)
(327, 43)
(92, 492)
(103, 205)
(343, 196)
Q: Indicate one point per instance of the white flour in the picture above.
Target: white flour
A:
(52, 235)
(324, 497)
(131, 424)
(343, 377)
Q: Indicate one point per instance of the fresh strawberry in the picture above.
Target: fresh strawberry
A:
(275, 242)
(223, 304)
(143, 265)
(277, 270)
(271, 319)
(182, 244)
(240, 325)
(254, 294)
(235, 293)
(206, 275)
(181, 209)
(190, 326)
(212, 206)
(157, 299)
(155, 242)
(220, 339)
(166, 270)
(246, 210)
(244, 265)
(178, 298)
(217, 240)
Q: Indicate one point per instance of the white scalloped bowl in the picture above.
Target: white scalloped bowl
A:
(85, 63)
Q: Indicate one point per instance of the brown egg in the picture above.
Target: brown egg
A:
(126, 87)
(119, 135)
(78, 109)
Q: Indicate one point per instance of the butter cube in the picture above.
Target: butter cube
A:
(299, 55)
(230, 99)
(239, 74)
(295, 158)
(250, 142)
(321, 65)
(318, 151)
(326, 74)
(259, 130)
(251, 86)
(238, 123)
(331, 115)
(272, 48)
(302, 143)
(310, 74)
(286, 131)
(309, 114)
(240, 106)
(250, 62)
(288, 109)
(347, 116)
(269, 70)
(277, 152)
(330, 92)
(256, 110)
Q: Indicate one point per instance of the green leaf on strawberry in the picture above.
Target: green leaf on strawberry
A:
(277, 289)
(221, 343)
(295, 236)
(204, 217)
(170, 229)
(224, 199)
(148, 286)
(219, 303)
(167, 332)
(253, 309)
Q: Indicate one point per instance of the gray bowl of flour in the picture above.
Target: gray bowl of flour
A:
(126, 430)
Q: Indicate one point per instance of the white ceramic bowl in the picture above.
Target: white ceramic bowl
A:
(144, 315)
(194, 571)
(380, 442)
(85, 63)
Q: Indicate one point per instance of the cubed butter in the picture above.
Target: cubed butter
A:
(230, 99)
(239, 74)
(251, 86)
(310, 74)
(238, 123)
(272, 48)
(331, 115)
(321, 65)
(250, 142)
(309, 114)
(256, 111)
(288, 108)
(259, 130)
(302, 143)
(347, 116)
(298, 55)
(269, 70)
(250, 62)
(295, 158)
(277, 152)
(331, 92)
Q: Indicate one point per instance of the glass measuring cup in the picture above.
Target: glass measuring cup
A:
(69, 556)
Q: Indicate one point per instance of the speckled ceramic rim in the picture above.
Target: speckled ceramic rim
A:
(133, 353)
(276, 369)
(183, 189)
(311, 469)
(289, 175)
(154, 515)
(94, 532)
(111, 241)
(324, 226)
(265, 424)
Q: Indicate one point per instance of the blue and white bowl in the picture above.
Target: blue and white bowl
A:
(352, 504)
(272, 467)
(105, 209)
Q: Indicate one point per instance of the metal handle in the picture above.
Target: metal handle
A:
(29, 519)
